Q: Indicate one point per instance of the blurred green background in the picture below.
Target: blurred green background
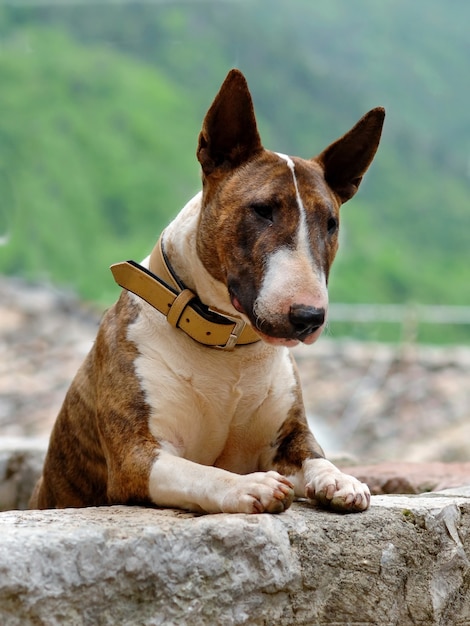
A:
(101, 104)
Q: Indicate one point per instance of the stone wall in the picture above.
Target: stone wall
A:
(405, 562)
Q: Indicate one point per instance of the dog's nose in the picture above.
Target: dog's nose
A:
(306, 319)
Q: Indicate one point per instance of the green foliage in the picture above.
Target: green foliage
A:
(101, 106)
(81, 185)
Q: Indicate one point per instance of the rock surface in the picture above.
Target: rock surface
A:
(403, 562)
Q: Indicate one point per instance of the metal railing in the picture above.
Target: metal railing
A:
(408, 317)
(399, 313)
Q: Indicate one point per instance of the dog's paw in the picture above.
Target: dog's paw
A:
(330, 488)
(260, 492)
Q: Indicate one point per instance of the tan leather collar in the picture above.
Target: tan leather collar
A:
(181, 306)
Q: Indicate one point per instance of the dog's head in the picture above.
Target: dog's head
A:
(269, 222)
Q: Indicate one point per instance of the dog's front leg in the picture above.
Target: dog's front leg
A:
(178, 482)
(298, 456)
(324, 484)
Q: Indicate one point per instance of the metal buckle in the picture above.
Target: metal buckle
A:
(235, 334)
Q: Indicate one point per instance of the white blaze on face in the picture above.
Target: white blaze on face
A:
(302, 233)
(292, 276)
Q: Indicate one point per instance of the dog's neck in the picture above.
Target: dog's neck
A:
(179, 242)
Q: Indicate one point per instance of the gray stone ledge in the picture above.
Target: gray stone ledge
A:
(405, 561)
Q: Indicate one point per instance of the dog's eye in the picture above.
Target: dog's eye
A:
(265, 211)
(332, 225)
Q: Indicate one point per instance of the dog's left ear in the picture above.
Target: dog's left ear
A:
(229, 134)
(346, 160)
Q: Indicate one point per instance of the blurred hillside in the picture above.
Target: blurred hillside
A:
(101, 105)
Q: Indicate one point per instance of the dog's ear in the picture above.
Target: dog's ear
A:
(229, 135)
(346, 160)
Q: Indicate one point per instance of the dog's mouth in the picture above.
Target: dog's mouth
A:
(302, 324)
(306, 337)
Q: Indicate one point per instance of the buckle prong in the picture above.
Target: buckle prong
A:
(235, 333)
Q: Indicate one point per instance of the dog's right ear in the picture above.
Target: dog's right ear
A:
(229, 134)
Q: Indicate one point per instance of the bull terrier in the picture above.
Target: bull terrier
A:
(189, 397)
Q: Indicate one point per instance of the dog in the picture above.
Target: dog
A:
(190, 398)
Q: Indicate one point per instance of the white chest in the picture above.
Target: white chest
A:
(209, 405)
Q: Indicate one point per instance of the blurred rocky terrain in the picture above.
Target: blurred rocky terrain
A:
(44, 336)
(372, 401)
(389, 402)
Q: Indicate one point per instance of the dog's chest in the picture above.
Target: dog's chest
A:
(212, 407)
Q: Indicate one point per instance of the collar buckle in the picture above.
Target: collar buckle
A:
(235, 333)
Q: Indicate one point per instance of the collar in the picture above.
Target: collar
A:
(163, 290)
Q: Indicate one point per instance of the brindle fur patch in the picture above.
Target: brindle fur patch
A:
(101, 450)
(295, 442)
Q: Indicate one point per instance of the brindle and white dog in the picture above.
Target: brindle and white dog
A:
(189, 397)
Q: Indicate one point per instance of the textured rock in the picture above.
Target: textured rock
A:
(404, 562)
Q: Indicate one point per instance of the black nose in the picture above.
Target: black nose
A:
(306, 319)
